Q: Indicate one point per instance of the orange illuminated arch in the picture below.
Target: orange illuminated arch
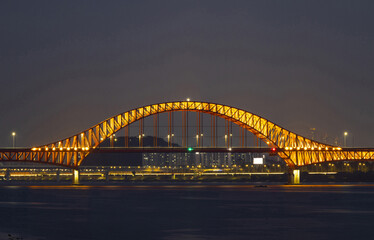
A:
(272, 134)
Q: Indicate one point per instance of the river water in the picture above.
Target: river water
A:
(162, 211)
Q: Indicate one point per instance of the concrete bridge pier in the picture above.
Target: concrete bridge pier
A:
(75, 177)
(294, 176)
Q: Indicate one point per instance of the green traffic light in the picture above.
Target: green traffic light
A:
(190, 149)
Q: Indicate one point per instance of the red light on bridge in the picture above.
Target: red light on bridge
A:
(273, 152)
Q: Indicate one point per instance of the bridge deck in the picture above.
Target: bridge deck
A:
(183, 149)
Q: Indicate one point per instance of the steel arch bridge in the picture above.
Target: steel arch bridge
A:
(296, 150)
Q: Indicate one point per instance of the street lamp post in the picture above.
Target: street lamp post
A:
(14, 139)
(345, 139)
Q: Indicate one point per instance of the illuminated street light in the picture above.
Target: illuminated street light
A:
(188, 99)
(345, 139)
(14, 139)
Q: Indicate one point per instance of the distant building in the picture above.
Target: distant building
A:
(197, 159)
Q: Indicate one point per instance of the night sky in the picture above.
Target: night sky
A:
(67, 65)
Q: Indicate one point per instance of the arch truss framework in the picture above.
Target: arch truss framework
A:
(296, 150)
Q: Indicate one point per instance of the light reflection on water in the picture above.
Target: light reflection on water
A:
(205, 211)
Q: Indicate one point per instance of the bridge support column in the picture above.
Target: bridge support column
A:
(294, 176)
(75, 176)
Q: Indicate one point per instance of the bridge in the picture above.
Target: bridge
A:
(294, 149)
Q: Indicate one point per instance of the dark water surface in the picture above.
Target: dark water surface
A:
(188, 212)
